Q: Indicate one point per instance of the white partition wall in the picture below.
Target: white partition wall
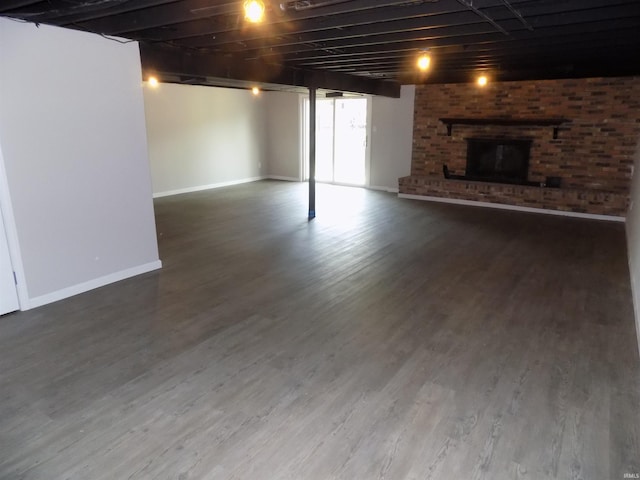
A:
(633, 238)
(391, 139)
(73, 139)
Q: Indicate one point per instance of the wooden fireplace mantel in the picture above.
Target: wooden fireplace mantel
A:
(513, 122)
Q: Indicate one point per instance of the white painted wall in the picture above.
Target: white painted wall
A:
(284, 130)
(390, 143)
(633, 239)
(203, 137)
(391, 138)
(73, 139)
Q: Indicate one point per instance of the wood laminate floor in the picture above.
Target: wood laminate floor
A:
(386, 339)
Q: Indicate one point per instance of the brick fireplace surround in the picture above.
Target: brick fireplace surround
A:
(593, 153)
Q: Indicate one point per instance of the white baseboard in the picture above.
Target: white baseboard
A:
(90, 285)
(383, 189)
(501, 206)
(199, 188)
(286, 179)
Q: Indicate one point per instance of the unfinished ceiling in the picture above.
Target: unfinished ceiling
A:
(361, 45)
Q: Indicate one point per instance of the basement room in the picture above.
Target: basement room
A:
(319, 239)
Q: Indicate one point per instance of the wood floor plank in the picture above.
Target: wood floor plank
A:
(386, 339)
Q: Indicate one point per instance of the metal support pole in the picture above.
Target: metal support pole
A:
(312, 153)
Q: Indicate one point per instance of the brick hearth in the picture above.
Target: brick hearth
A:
(569, 199)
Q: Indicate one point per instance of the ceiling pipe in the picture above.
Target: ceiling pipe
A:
(517, 14)
(469, 5)
(301, 5)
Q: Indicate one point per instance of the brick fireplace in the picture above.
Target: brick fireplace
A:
(583, 135)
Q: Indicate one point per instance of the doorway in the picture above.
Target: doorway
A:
(8, 292)
(341, 140)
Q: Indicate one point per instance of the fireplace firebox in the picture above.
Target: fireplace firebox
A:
(498, 160)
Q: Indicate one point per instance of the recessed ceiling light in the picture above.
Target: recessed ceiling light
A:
(254, 10)
(482, 81)
(153, 81)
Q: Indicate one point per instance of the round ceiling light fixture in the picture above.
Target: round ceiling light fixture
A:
(254, 10)
(424, 61)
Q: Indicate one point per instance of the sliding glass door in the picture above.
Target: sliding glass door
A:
(341, 140)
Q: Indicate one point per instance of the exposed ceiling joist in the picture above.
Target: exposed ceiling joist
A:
(163, 15)
(159, 60)
(469, 4)
(433, 29)
(517, 14)
(371, 18)
(209, 17)
(622, 25)
(63, 12)
(334, 40)
(373, 21)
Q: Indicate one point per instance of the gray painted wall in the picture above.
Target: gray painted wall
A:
(283, 117)
(202, 137)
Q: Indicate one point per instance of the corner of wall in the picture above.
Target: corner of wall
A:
(283, 135)
(633, 240)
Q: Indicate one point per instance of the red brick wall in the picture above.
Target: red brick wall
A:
(594, 152)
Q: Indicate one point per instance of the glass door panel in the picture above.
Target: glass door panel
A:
(341, 140)
(350, 135)
(324, 140)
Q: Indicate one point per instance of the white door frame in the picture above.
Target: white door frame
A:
(8, 292)
(12, 236)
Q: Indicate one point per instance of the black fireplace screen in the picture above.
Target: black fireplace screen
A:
(498, 160)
